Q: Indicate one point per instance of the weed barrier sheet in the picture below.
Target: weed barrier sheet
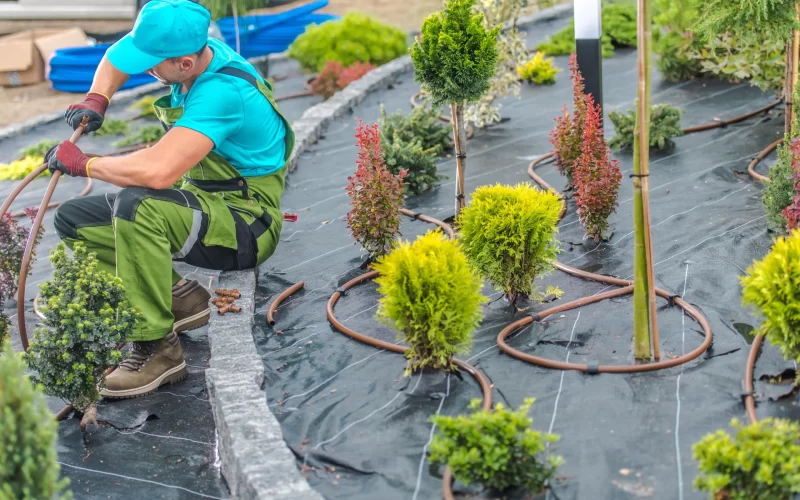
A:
(360, 429)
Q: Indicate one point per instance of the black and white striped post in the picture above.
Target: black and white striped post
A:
(589, 47)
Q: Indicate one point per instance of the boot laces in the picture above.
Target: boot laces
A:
(139, 354)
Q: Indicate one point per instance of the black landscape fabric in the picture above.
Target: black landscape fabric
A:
(361, 428)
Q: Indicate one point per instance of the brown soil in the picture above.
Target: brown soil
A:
(22, 103)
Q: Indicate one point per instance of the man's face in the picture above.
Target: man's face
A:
(173, 71)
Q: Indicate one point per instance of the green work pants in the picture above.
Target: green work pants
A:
(138, 232)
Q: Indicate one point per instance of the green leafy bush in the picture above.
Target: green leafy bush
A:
(664, 125)
(145, 107)
(432, 296)
(735, 58)
(619, 30)
(508, 235)
(539, 70)
(678, 56)
(149, 134)
(356, 37)
(86, 316)
(29, 468)
(562, 43)
(418, 164)
(421, 123)
(779, 191)
(39, 149)
(113, 127)
(762, 462)
(455, 56)
(770, 285)
(496, 449)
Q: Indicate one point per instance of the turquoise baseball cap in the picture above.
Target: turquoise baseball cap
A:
(163, 29)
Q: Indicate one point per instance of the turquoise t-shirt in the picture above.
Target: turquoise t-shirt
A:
(244, 127)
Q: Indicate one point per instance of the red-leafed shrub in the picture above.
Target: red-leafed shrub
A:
(376, 195)
(334, 77)
(13, 238)
(792, 212)
(567, 136)
(597, 177)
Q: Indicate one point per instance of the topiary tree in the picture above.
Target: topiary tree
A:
(29, 468)
(597, 178)
(454, 59)
(664, 125)
(496, 449)
(376, 195)
(769, 285)
(432, 296)
(511, 52)
(508, 235)
(762, 462)
(567, 136)
(86, 315)
(356, 37)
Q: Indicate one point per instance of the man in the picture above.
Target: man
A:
(229, 143)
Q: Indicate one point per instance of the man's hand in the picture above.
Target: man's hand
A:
(93, 107)
(67, 159)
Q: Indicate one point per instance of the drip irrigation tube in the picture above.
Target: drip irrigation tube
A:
(751, 168)
(277, 302)
(749, 396)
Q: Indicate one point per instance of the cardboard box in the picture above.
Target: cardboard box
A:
(26, 54)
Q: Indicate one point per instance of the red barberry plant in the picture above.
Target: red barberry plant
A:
(376, 195)
(567, 136)
(13, 238)
(334, 77)
(792, 212)
(597, 177)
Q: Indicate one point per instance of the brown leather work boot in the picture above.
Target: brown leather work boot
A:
(148, 366)
(190, 306)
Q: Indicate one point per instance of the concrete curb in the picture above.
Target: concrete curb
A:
(256, 462)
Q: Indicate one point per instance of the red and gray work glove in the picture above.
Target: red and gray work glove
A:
(93, 107)
(67, 159)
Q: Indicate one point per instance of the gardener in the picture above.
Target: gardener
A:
(229, 143)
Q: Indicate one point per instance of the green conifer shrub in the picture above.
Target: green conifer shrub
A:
(421, 123)
(86, 314)
(770, 286)
(779, 191)
(432, 297)
(496, 449)
(455, 56)
(539, 70)
(762, 462)
(356, 37)
(508, 235)
(29, 468)
(113, 127)
(664, 125)
(418, 164)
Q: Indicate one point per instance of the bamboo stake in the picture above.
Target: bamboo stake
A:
(641, 291)
(460, 141)
(795, 63)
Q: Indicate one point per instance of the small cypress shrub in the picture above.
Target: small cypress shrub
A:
(778, 192)
(355, 37)
(334, 77)
(86, 316)
(29, 468)
(762, 462)
(539, 70)
(421, 123)
(418, 164)
(376, 195)
(769, 285)
(664, 125)
(149, 134)
(597, 178)
(432, 296)
(13, 239)
(567, 136)
(508, 235)
(496, 449)
(113, 127)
